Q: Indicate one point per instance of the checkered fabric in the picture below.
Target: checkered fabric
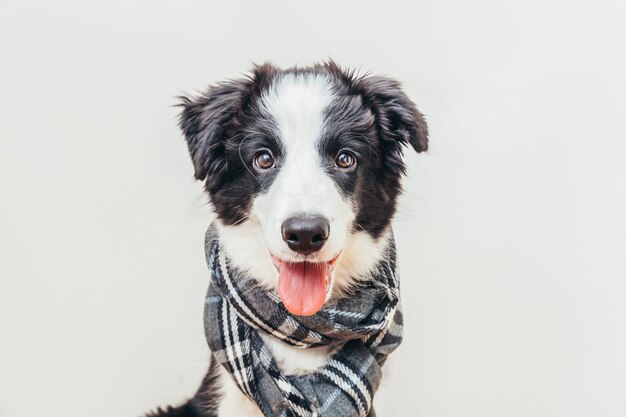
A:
(366, 326)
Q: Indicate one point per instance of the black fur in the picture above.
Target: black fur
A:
(185, 410)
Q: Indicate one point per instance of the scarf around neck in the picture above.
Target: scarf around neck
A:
(366, 324)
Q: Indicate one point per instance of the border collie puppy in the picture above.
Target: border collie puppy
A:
(302, 166)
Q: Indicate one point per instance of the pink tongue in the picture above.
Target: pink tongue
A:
(302, 287)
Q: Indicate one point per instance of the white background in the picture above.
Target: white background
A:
(512, 233)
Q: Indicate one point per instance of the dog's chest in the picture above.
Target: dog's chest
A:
(291, 360)
(297, 361)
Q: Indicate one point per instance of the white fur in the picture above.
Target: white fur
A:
(296, 103)
(291, 360)
(232, 402)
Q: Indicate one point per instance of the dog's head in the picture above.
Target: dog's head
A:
(303, 168)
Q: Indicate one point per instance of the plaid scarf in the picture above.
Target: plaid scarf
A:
(367, 325)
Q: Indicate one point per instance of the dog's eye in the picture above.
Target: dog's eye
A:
(345, 160)
(264, 160)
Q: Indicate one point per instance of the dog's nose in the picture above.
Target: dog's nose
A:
(305, 235)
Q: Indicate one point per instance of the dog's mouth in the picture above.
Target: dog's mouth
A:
(303, 286)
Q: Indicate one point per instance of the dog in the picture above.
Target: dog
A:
(303, 166)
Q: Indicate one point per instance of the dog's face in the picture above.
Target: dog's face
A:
(303, 168)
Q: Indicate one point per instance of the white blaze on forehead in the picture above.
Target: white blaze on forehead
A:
(297, 104)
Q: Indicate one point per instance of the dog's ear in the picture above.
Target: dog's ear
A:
(398, 117)
(205, 120)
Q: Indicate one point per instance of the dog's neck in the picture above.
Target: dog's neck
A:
(246, 250)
